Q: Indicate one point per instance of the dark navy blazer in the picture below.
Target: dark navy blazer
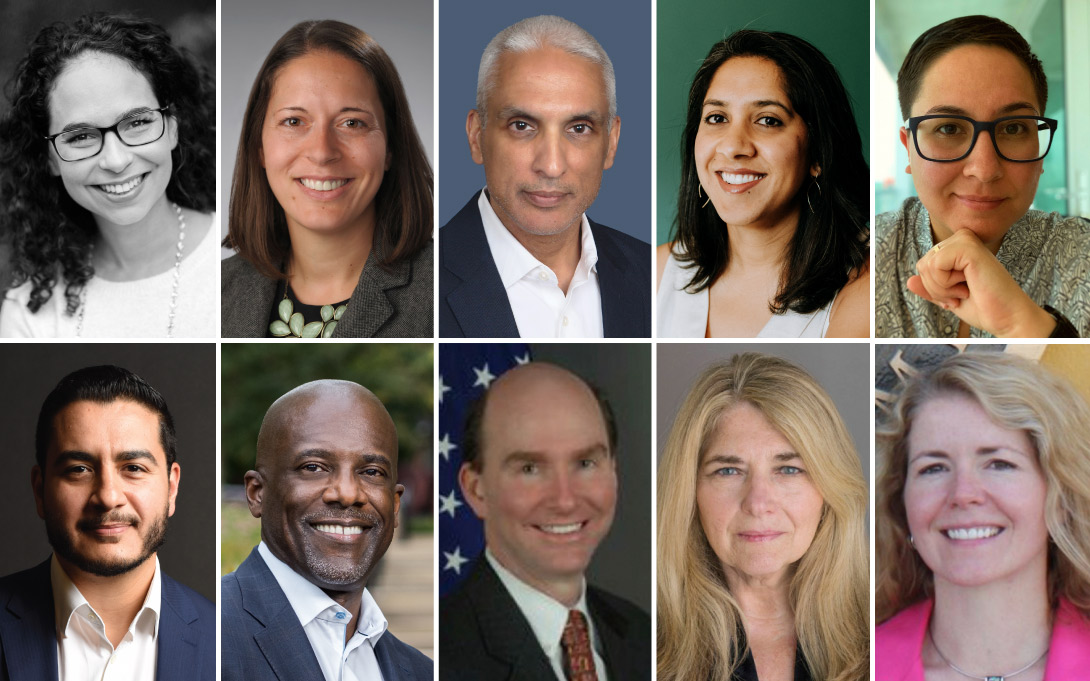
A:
(474, 304)
(483, 636)
(263, 639)
(28, 634)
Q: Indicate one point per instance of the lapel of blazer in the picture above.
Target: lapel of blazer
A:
(621, 318)
(282, 640)
(370, 307)
(179, 644)
(30, 637)
(251, 311)
(390, 660)
(613, 630)
(504, 630)
(479, 302)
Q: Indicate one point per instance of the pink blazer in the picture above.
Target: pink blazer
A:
(898, 642)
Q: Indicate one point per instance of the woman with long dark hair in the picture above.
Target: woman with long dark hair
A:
(771, 237)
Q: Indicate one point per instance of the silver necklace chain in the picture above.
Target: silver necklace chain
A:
(174, 287)
(986, 677)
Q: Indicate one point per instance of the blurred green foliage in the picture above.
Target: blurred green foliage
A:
(254, 375)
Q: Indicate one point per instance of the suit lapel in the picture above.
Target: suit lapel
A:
(480, 302)
(613, 631)
(370, 307)
(620, 318)
(30, 638)
(504, 630)
(178, 643)
(251, 311)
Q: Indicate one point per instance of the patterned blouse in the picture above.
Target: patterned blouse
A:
(1046, 253)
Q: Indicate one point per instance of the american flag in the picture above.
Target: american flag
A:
(465, 371)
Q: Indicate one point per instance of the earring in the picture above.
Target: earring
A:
(808, 203)
(912, 540)
(700, 192)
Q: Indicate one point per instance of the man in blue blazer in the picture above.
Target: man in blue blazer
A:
(325, 488)
(105, 483)
(522, 258)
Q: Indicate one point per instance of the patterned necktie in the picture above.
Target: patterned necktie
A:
(578, 657)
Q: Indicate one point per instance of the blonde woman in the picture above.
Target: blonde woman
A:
(763, 570)
(984, 526)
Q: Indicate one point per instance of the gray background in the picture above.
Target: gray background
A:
(843, 369)
(185, 374)
(251, 27)
(622, 564)
(624, 32)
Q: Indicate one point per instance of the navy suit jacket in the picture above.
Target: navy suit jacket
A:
(474, 304)
(263, 639)
(483, 636)
(28, 633)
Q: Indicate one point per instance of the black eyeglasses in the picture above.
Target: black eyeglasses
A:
(143, 127)
(944, 138)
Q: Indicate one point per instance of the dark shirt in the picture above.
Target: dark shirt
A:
(747, 671)
(311, 313)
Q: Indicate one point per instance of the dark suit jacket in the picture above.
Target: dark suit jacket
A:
(474, 304)
(394, 303)
(483, 636)
(263, 640)
(28, 633)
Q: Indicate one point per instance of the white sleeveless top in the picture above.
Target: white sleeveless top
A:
(685, 315)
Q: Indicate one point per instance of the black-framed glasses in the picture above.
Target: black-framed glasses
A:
(143, 127)
(945, 138)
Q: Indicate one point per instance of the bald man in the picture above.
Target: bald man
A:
(325, 489)
(539, 469)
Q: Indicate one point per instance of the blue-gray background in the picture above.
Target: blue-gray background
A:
(624, 202)
(249, 29)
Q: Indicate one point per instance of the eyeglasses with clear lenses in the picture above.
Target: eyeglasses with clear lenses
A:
(138, 129)
(945, 138)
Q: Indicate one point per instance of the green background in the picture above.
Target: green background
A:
(686, 31)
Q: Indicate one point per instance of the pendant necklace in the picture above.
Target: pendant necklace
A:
(986, 677)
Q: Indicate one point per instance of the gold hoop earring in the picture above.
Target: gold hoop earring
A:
(808, 203)
(700, 192)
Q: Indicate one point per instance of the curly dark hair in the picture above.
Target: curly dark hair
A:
(830, 242)
(52, 234)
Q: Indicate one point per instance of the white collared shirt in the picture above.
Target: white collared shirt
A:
(541, 308)
(324, 621)
(83, 650)
(547, 617)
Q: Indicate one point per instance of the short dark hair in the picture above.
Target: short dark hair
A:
(102, 385)
(472, 433)
(258, 227)
(830, 242)
(972, 30)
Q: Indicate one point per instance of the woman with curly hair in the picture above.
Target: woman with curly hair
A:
(762, 567)
(983, 534)
(107, 181)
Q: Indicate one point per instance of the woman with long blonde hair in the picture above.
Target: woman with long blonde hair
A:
(762, 566)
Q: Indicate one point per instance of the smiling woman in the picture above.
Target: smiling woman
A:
(331, 205)
(107, 172)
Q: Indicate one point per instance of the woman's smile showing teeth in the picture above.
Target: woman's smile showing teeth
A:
(322, 185)
(737, 178)
(121, 188)
(738, 182)
(561, 529)
(970, 533)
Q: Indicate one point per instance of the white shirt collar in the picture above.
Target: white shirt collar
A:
(69, 602)
(515, 262)
(309, 602)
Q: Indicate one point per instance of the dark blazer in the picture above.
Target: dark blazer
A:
(263, 640)
(474, 304)
(395, 303)
(483, 636)
(28, 633)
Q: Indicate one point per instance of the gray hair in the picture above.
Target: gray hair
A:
(538, 33)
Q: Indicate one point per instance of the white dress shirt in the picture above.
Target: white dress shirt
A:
(541, 308)
(547, 618)
(324, 621)
(84, 652)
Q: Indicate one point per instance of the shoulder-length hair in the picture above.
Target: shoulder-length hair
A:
(1016, 394)
(830, 242)
(258, 228)
(700, 630)
(50, 231)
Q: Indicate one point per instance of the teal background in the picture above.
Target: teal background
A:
(687, 29)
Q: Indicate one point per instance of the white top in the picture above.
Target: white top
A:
(84, 652)
(541, 309)
(685, 315)
(128, 309)
(324, 621)
(547, 618)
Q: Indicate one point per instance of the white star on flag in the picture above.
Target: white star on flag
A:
(525, 359)
(449, 503)
(446, 447)
(455, 560)
(484, 376)
(443, 388)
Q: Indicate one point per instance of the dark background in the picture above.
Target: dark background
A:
(185, 374)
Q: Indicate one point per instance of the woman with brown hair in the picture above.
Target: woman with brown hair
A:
(331, 204)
